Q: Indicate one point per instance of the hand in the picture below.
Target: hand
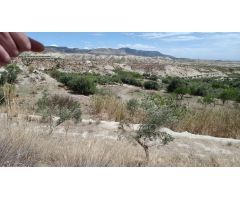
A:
(12, 44)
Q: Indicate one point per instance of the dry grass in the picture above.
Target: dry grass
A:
(23, 143)
(108, 107)
(21, 147)
(218, 122)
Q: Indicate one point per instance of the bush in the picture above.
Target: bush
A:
(3, 77)
(174, 84)
(132, 106)
(131, 81)
(55, 73)
(62, 106)
(198, 91)
(65, 78)
(151, 85)
(82, 85)
(209, 99)
(10, 75)
(130, 78)
(152, 77)
(167, 80)
(1, 96)
(123, 73)
(238, 98)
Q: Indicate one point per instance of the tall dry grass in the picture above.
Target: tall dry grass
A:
(218, 122)
(109, 107)
(22, 144)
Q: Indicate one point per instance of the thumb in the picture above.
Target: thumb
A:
(36, 46)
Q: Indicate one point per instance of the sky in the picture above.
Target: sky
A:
(196, 45)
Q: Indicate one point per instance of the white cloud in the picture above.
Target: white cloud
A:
(163, 35)
(182, 38)
(54, 45)
(137, 46)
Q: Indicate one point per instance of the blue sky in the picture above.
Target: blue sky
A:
(198, 45)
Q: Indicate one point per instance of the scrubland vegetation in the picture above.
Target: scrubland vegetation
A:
(23, 143)
(210, 88)
(85, 83)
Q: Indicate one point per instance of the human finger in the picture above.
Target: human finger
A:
(8, 44)
(36, 46)
(4, 57)
(21, 40)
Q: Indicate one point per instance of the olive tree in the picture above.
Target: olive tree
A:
(160, 112)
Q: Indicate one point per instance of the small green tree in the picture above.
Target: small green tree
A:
(227, 94)
(181, 91)
(160, 112)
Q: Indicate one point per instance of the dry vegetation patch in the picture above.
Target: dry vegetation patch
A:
(218, 122)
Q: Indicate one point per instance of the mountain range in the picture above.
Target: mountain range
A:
(107, 51)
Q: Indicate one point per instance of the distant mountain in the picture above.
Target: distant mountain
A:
(53, 49)
(108, 51)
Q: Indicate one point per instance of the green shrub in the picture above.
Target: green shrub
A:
(123, 73)
(57, 105)
(65, 78)
(151, 85)
(209, 99)
(3, 77)
(130, 78)
(198, 91)
(82, 85)
(167, 80)
(238, 98)
(1, 96)
(131, 81)
(225, 89)
(132, 106)
(10, 75)
(175, 83)
(152, 77)
(55, 73)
